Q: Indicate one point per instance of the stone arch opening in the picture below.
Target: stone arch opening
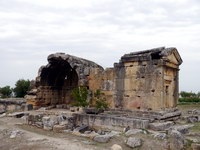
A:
(57, 82)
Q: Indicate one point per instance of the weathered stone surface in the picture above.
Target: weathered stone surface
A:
(134, 142)
(133, 132)
(14, 133)
(176, 140)
(48, 123)
(113, 133)
(110, 122)
(134, 83)
(161, 136)
(192, 119)
(82, 128)
(18, 114)
(102, 138)
(116, 147)
(195, 146)
(2, 115)
(59, 128)
(160, 126)
(183, 129)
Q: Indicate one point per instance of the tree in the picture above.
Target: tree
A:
(6, 91)
(21, 87)
(187, 94)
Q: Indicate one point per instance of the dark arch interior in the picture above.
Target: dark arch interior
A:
(58, 79)
(59, 74)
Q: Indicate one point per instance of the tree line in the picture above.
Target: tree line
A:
(20, 89)
(189, 97)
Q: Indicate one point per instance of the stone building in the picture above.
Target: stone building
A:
(141, 80)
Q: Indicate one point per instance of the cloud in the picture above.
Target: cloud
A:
(101, 31)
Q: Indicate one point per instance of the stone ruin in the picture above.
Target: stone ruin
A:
(142, 92)
(140, 89)
(144, 80)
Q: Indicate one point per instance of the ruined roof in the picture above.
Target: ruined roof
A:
(72, 60)
(151, 54)
(61, 66)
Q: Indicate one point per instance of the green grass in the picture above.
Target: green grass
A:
(196, 127)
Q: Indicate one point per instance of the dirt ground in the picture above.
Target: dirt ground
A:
(32, 138)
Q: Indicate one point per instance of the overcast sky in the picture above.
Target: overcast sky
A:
(98, 30)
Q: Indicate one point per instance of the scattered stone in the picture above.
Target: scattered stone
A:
(126, 129)
(18, 114)
(92, 135)
(133, 132)
(82, 128)
(67, 131)
(101, 132)
(2, 115)
(161, 126)
(176, 140)
(88, 142)
(192, 119)
(48, 124)
(61, 119)
(116, 147)
(76, 133)
(161, 136)
(87, 132)
(133, 142)
(39, 124)
(102, 138)
(195, 146)
(113, 133)
(192, 139)
(183, 129)
(14, 134)
(58, 128)
(2, 111)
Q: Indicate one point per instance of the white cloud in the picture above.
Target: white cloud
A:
(101, 31)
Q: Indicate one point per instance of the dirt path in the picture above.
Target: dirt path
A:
(27, 137)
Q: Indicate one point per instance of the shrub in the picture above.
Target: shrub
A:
(80, 96)
(100, 100)
(189, 99)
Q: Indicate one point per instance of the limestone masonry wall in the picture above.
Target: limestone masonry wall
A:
(145, 80)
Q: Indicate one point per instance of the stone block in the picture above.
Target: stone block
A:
(176, 140)
(133, 142)
(82, 128)
(133, 132)
(58, 128)
(183, 129)
(160, 126)
(195, 146)
(116, 147)
(102, 138)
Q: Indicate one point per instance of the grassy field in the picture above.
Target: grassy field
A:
(184, 107)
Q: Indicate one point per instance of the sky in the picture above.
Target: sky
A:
(98, 30)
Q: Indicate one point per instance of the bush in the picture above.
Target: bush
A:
(80, 96)
(100, 100)
(189, 100)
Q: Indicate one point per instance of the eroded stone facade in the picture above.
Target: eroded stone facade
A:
(141, 80)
